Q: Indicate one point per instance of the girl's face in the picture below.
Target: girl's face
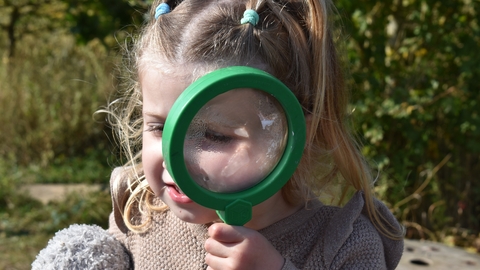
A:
(228, 152)
(159, 93)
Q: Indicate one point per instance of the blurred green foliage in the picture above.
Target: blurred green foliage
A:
(102, 19)
(26, 225)
(48, 97)
(57, 67)
(414, 68)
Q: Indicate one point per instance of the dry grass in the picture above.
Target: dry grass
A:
(48, 94)
(18, 252)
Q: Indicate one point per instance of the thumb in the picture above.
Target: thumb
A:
(226, 233)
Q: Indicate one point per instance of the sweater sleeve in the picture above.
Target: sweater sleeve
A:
(352, 241)
(363, 249)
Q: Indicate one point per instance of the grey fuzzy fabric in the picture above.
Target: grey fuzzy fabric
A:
(82, 247)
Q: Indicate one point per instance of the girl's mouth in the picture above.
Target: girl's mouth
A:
(176, 188)
(176, 194)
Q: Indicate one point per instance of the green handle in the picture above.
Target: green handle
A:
(237, 213)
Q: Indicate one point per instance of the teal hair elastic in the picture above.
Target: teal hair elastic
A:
(250, 16)
(163, 8)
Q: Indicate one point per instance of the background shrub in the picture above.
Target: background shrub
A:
(414, 72)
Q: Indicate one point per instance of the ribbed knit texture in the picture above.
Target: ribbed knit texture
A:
(316, 237)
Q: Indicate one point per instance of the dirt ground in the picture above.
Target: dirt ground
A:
(56, 192)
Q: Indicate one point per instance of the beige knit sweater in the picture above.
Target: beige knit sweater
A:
(316, 237)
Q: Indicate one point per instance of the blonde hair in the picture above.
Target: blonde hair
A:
(293, 41)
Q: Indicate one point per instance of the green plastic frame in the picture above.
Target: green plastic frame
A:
(233, 208)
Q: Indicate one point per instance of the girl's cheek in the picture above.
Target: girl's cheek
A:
(152, 159)
(151, 148)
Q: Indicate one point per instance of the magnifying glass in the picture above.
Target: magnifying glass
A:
(233, 139)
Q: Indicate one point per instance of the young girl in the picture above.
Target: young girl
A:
(291, 39)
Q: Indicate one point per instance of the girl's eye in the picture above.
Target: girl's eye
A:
(157, 128)
(217, 137)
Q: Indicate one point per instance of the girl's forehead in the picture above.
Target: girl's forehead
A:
(160, 91)
(188, 70)
(165, 69)
(182, 73)
(161, 75)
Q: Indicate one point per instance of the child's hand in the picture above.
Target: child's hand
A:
(235, 247)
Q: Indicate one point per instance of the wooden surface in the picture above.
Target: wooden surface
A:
(431, 255)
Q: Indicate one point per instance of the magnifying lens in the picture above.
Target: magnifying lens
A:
(233, 139)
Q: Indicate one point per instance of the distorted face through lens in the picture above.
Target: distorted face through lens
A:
(235, 140)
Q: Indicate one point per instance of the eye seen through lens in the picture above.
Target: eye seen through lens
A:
(235, 140)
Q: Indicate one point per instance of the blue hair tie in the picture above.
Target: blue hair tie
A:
(250, 16)
(163, 8)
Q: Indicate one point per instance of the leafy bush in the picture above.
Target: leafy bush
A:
(50, 87)
(415, 79)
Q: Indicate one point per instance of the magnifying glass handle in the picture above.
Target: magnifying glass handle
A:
(236, 213)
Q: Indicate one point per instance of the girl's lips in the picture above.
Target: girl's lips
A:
(176, 195)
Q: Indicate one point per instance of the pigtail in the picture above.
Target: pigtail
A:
(331, 116)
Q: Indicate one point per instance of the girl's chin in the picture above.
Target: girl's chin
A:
(198, 215)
